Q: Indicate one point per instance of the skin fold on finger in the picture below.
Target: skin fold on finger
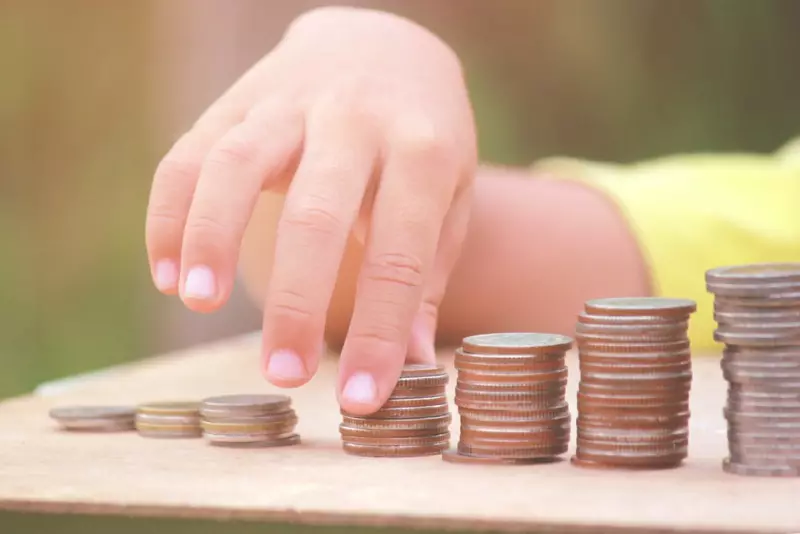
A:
(320, 207)
(401, 245)
(252, 156)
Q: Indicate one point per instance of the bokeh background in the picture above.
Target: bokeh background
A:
(93, 92)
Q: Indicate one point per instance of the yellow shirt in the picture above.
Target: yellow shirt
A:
(693, 212)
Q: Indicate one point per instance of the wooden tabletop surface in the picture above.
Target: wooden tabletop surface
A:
(47, 470)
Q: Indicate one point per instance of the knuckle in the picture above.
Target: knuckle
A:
(422, 140)
(205, 227)
(399, 269)
(233, 151)
(312, 217)
(286, 304)
(376, 334)
(174, 168)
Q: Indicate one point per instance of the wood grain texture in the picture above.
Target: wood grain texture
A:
(43, 469)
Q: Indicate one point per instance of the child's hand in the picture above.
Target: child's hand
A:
(363, 119)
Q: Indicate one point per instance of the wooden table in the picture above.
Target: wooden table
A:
(46, 470)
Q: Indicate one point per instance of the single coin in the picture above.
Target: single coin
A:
(633, 358)
(168, 431)
(653, 401)
(411, 412)
(507, 362)
(586, 319)
(756, 339)
(417, 370)
(610, 334)
(413, 402)
(391, 441)
(236, 405)
(636, 388)
(432, 391)
(590, 464)
(470, 368)
(753, 290)
(557, 391)
(759, 471)
(394, 451)
(637, 380)
(516, 343)
(641, 306)
(491, 375)
(755, 273)
(95, 418)
(635, 348)
(455, 457)
(264, 419)
(762, 301)
(649, 447)
(287, 438)
(406, 424)
(186, 420)
(784, 452)
(513, 418)
(595, 420)
(172, 408)
(763, 438)
(766, 459)
(756, 418)
(277, 427)
(347, 432)
(416, 376)
(633, 435)
(253, 442)
(629, 458)
(773, 379)
(526, 453)
(761, 392)
(627, 368)
(733, 315)
(766, 366)
(530, 381)
(552, 433)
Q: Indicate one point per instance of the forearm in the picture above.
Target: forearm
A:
(535, 251)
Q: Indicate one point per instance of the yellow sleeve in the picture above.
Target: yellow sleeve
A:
(694, 212)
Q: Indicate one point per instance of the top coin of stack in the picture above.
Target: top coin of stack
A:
(757, 309)
(633, 394)
(95, 418)
(510, 395)
(179, 419)
(414, 421)
(249, 420)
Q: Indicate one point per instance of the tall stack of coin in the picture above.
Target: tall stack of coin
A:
(169, 420)
(633, 394)
(757, 309)
(249, 420)
(414, 421)
(510, 395)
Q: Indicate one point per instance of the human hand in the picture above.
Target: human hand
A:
(362, 119)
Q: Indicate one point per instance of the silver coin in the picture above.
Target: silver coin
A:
(244, 405)
(731, 466)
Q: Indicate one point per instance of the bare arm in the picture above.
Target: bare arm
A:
(536, 249)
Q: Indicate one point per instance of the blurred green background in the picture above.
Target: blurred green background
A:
(93, 92)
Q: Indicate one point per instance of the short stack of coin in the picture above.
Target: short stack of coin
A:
(95, 418)
(249, 420)
(414, 421)
(633, 394)
(169, 420)
(510, 394)
(757, 310)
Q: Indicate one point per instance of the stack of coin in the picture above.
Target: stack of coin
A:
(414, 421)
(169, 420)
(633, 394)
(95, 418)
(249, 420)
(510, 394)
(757, 310)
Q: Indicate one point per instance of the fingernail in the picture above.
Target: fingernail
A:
(286, 365)
(166, 274)
(200, 283)
(360, 389)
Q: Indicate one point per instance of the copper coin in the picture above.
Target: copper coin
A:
(557, 433)
(668, 307)
(506, 362)
(516, 343)
(524, 382)
(590, 464)
(637, 379)
(455, 457)
(636, 388)
(469, 368)
(589, 337)
(412, 412)
(244, 405)
(628, 368)
(635, 348)
(656, 400)
(433, 391)
(633, 435)
(394, 451)
(506, 417)
(759, 471)
(347, 432)
(386, 424)
(413, 402)
(527, 452)
(660, 458)
(491, 375)
(586, 419)
(416, 376)
(586, 356)
(508, 397)
(625, 447)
